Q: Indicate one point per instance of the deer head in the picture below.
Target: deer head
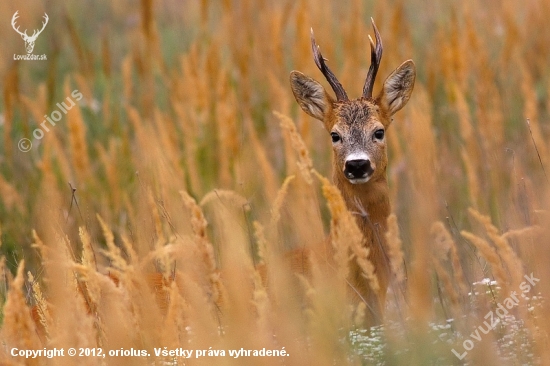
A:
(29, 40)
(357, 127)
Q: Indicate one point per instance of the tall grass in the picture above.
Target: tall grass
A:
(175, 204)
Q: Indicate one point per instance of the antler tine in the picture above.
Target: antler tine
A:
(46, 18)
(37, 32)
(43, 25)
(375, 57)
(329, 75)
(13, 20)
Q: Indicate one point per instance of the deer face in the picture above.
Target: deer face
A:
(29, 42)
(357, 127)
(358, 140)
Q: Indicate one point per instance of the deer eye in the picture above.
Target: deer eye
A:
(379, 134)
(335, 137)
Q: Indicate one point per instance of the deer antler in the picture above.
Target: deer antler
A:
(24, 34)
(13, 19)
(375, 57)
(331, 78)
(36, 33)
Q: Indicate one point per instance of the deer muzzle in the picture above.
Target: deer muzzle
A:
(358, 171)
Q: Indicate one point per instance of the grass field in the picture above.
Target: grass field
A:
(156, 212)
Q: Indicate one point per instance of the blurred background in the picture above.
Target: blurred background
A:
(180, 95)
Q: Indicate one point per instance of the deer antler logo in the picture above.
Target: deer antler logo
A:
(29, 40)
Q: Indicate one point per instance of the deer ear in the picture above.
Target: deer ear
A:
(310, 95)
(398, 87)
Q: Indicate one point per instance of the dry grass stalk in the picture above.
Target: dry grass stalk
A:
(279, 201)
(268, 174)
(339, 212)
(189, 119)
(304, 163)
(35, 108)
(84, 88)
(18, 329)
(232, 198)
(11, 94)
(302, 198)
(422, 169)
(38, 244)
(109, 162)
(509, 257)
(279, 92)
(490, 255)
(175, 322)
(518, 233)
(166, 150)
(360, 313)
(55, 155)
(531, 113)
(470, 152)
(447, 282)
(159, 232)
(458, 272)
(199, 223)
(138, 126)
(442, 241)
(129, 249)
(226, 127)
(395, 250)
(443, 244)
(44, 316)
(489, 114)
(113, 252)
(10, 197)
(88, 255)
(346, 236)
(261, 242)
(77, 138)
(260, 300)
(127, 84)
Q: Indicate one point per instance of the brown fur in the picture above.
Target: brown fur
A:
(355, 121)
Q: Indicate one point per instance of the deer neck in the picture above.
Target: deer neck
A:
(368, 201)
(370, 204)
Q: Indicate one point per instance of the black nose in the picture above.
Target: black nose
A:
(356, 169)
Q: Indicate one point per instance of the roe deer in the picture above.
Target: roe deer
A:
(357, 128)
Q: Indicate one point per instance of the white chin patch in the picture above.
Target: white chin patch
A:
(360, 180)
